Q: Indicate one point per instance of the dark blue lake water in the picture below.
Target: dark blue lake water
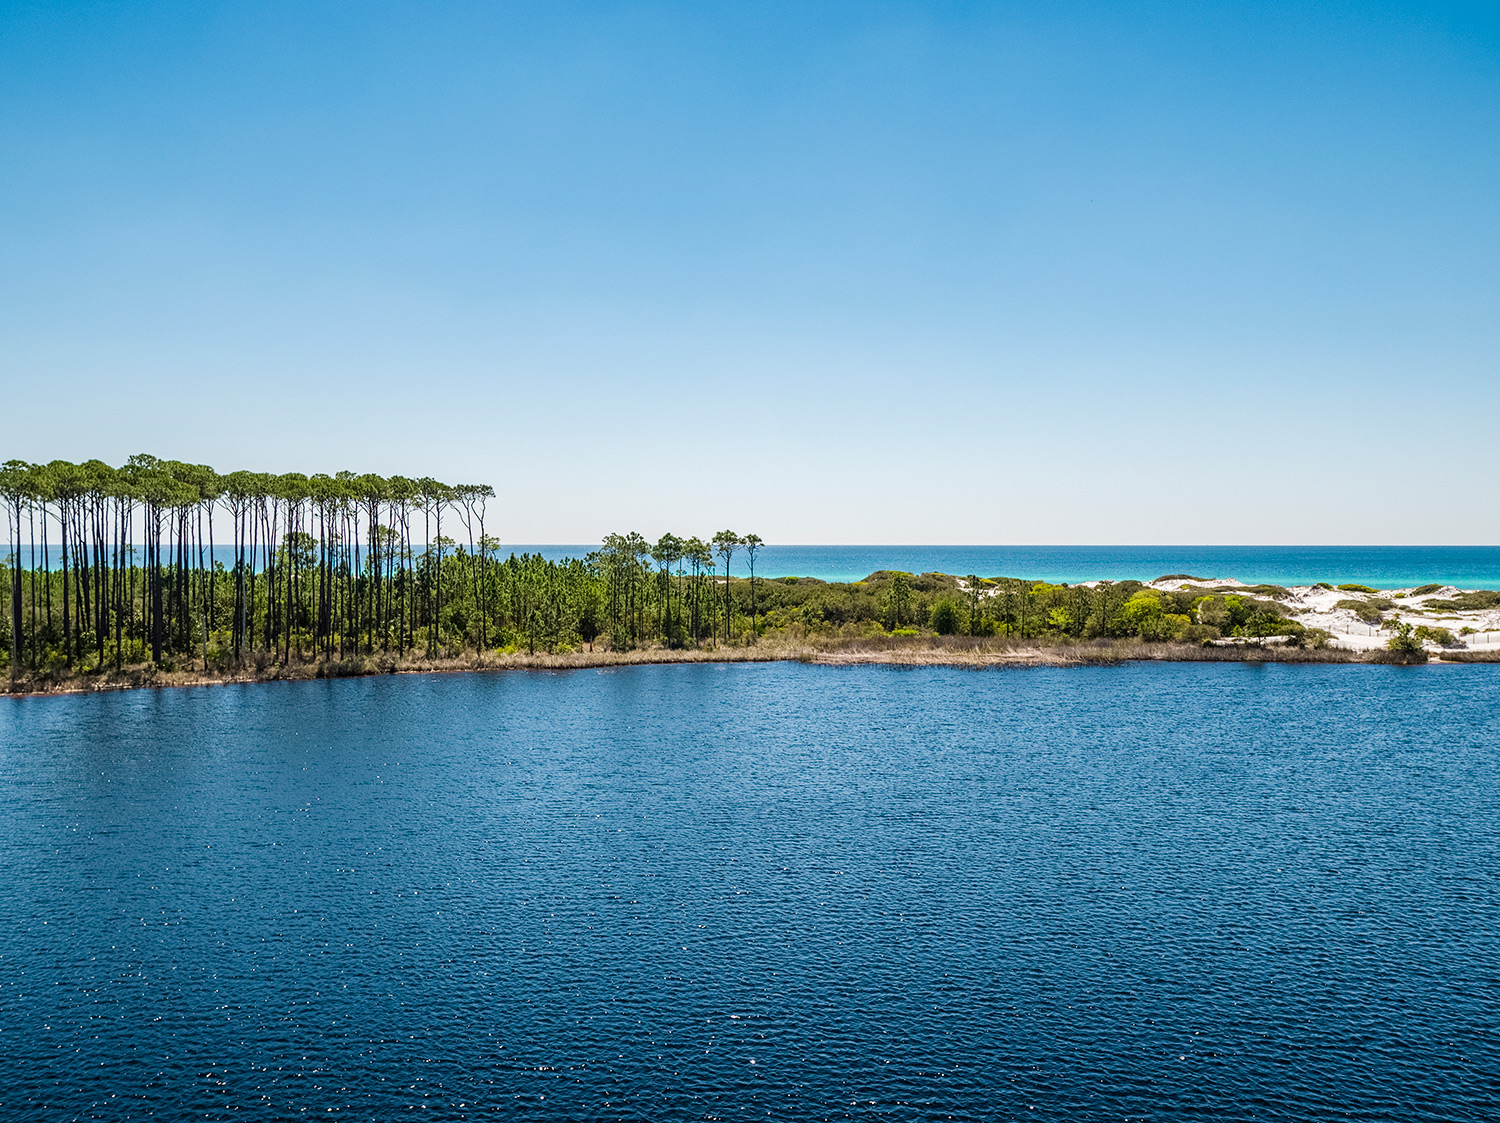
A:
(751, 892)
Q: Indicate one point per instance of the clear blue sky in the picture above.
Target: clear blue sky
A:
(829, 272)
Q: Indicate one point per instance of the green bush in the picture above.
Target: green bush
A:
(1405, 644)
(1467, 601)
(1312, 638)
(1200, 633)
(1275, 592)
(898, 608)
(1262, 624)
(1241, 616)
(1217, 612)
(1440, 636)
(1141, 612)
(1368, 611)
(1167, 626)
(1357, 589)
(946, 615)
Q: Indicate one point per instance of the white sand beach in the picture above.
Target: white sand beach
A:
(1317, 606)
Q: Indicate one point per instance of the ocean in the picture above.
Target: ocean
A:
(1382, 567)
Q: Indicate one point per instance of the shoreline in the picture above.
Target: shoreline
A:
(890, 617)
(962, 652)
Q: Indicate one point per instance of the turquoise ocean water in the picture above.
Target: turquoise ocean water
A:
(1384, 567)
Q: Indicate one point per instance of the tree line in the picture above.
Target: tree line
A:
(114, 567)
(109, 567)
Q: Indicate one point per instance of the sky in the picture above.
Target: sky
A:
(830, 273)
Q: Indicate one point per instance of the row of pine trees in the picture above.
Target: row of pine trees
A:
(113, 567)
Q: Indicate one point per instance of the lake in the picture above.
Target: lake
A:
(758, 891)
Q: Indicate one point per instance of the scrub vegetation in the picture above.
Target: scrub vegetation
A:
(1004, 606)
(113, 580)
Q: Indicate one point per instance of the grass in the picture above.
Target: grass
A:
(1275, 592)
(1440, 636)
(965, 651)
(895, 650)
(1469, 601)
(1368, 611)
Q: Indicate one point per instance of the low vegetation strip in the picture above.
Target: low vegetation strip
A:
(917, 651)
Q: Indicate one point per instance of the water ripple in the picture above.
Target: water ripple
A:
(1217, 892)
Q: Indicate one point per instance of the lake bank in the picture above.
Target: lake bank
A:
(898, 651)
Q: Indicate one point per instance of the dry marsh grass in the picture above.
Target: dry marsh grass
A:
(903, 651)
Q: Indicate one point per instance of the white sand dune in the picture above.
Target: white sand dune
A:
(1314, 606)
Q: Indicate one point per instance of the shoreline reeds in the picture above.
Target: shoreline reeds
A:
(975, 653)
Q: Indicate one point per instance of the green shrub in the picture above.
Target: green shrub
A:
(1423, 590)
(1263, 623)
(1405, 644)
(1167, 626)
(1141, 611)
(1356, 589)
(1467, 601)
(1440, 636)
(1216, 612)
(945, 616)
(1368, 611)
(1312, 638)
(1275, 592)
(898, 609)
